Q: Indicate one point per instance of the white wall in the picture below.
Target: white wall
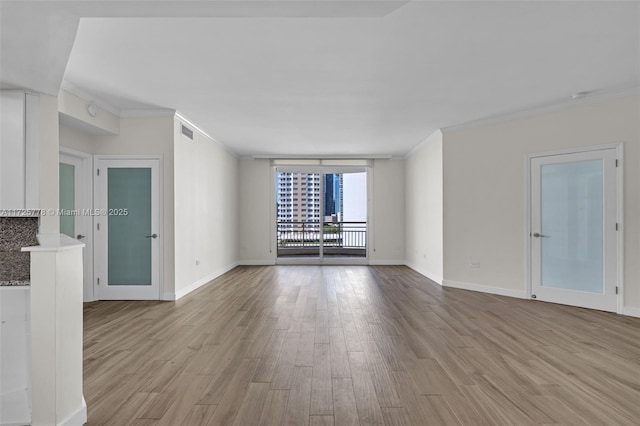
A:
(424, 209)
(73, 138)
(206, 210)
(484, 190)
(387, 213)
(49, 146)
(256, 212)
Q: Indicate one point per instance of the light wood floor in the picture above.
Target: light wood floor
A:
(311, 345)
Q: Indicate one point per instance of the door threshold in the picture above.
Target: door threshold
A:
(326, 261)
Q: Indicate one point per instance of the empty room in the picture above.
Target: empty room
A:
(305, 212)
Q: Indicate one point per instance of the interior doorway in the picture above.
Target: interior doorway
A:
(574, 233)
(76, 203)
(127, 228)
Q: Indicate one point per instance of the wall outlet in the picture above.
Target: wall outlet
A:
(474, 265)
(197, 262)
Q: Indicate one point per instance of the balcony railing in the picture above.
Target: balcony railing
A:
(339, 238)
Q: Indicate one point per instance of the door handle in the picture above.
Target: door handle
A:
(79, 237)
(152, 236)
(538, 235)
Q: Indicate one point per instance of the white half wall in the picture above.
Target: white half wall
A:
(484, 189)
(206, 210)
(424, 209)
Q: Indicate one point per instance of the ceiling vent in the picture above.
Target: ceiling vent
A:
(186, 131)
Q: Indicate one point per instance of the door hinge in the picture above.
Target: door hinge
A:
(98, 171)
(98, 279)
(617, 226)
(616, 289)
(98, 226)
(616, 162)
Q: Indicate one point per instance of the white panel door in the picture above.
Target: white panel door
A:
(573, 235)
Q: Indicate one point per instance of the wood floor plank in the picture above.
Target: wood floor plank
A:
(369, 412)
(275, 408)
(281, 378)
(321, 421)
(253, 403)
(339, 357)
(396, 417)
(321, 397)
(299, 397)
(344, 402)
(200, 415)
(234, 394)
(306, 345)
(347, 345)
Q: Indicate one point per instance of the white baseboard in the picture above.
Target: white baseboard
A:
(202, 281)
(486, 289)
(168, 297)
(433, 277)
(256, 262)
(632, 312)
(78, 418)
(386, 262)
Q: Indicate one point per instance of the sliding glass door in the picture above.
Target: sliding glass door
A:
(299, 212)
(321, 213)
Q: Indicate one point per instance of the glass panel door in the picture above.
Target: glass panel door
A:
(321, 213)
(127, 231)
(298, 214)
(573, 228)
(345, 215)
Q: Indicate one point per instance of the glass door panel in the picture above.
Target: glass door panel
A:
(298, 214)
(129, 226)
(345, 215)
(572, 212)
(67, 199)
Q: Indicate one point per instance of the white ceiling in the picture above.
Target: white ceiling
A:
(376, 84)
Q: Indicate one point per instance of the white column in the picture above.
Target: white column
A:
(56, 331)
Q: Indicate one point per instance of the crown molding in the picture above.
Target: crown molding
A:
(145, 113)
(426, 141)
(595, 97)
(88, 97)
(197, 128)
(319, 157)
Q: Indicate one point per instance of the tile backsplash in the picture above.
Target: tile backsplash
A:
(15, 233)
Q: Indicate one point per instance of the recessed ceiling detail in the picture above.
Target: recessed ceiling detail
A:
(375, 85)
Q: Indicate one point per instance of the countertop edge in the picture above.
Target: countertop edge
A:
(54, 242)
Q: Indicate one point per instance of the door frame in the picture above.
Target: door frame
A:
(86, 176)
(619, 147)
(161, 228)
(320, 260)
